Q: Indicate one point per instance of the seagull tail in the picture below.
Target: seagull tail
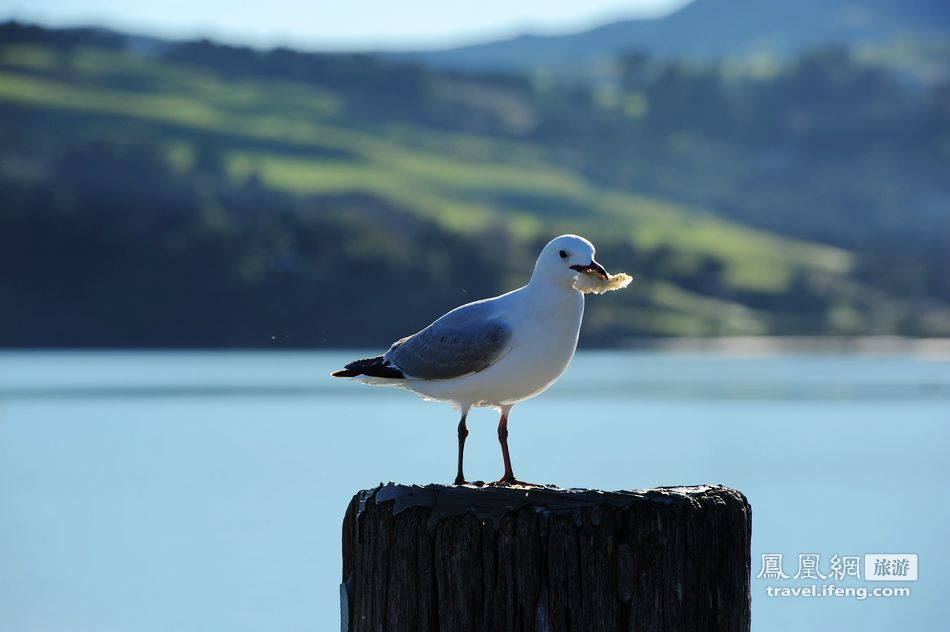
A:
(372, 367)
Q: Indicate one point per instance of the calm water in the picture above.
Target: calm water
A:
(205, 491)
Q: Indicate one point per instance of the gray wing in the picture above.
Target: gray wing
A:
(466, 340)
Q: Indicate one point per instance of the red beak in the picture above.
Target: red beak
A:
(593, 266)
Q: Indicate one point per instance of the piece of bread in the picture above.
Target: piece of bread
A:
(593, 283)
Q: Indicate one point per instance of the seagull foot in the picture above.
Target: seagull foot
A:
(459, 480)
(514, 482)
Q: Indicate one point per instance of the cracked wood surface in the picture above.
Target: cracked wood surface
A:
(457, 559)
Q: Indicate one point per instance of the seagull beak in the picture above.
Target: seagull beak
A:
(592, 267)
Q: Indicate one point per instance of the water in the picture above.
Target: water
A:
(205, 491)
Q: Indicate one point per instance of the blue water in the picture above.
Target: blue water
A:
(205, 491)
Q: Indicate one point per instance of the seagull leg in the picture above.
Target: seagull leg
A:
(509, 477)
(463, 432)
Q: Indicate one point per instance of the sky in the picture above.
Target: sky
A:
(337, 25)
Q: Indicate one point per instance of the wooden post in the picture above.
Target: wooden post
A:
(458, 559)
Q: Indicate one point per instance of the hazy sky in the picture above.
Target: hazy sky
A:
(343, 24)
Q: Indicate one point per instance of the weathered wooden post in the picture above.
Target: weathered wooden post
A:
(459, 559)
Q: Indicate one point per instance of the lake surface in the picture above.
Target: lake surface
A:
(205, 491)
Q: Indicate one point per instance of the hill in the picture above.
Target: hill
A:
(192, 194)
(908, 33)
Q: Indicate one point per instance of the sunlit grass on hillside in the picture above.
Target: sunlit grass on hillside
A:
(463, 182)
(29, 57)
(320, 176)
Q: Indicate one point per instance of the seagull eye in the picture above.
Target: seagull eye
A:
(563, 254)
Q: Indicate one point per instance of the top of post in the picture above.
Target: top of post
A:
(494, 502)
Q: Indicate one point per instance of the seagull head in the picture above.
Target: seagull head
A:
(564, 258)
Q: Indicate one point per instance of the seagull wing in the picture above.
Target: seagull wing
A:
(466, 340)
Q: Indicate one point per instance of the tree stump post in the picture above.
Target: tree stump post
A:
(459, 559)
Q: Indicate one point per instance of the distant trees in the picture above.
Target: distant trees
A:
(106, 239)
(114, 248)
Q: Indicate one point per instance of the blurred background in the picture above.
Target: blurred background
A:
(762, 167)
(183, 182)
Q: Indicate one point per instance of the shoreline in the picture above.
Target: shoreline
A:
(726, 345)
(792, 345)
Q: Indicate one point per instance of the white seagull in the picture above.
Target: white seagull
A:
(498, 351)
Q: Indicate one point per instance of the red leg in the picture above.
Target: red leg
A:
(463, 432)
(509, 477)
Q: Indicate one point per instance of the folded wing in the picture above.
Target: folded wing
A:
(466, 340)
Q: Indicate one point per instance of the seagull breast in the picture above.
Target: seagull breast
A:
(523, 341)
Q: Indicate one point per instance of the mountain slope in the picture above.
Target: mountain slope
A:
(202, 195)
(707, 29)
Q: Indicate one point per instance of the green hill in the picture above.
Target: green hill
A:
(188, 194)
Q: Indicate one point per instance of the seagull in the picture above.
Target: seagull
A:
(499, 351)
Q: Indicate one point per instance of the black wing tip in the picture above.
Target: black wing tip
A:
(372, 367)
